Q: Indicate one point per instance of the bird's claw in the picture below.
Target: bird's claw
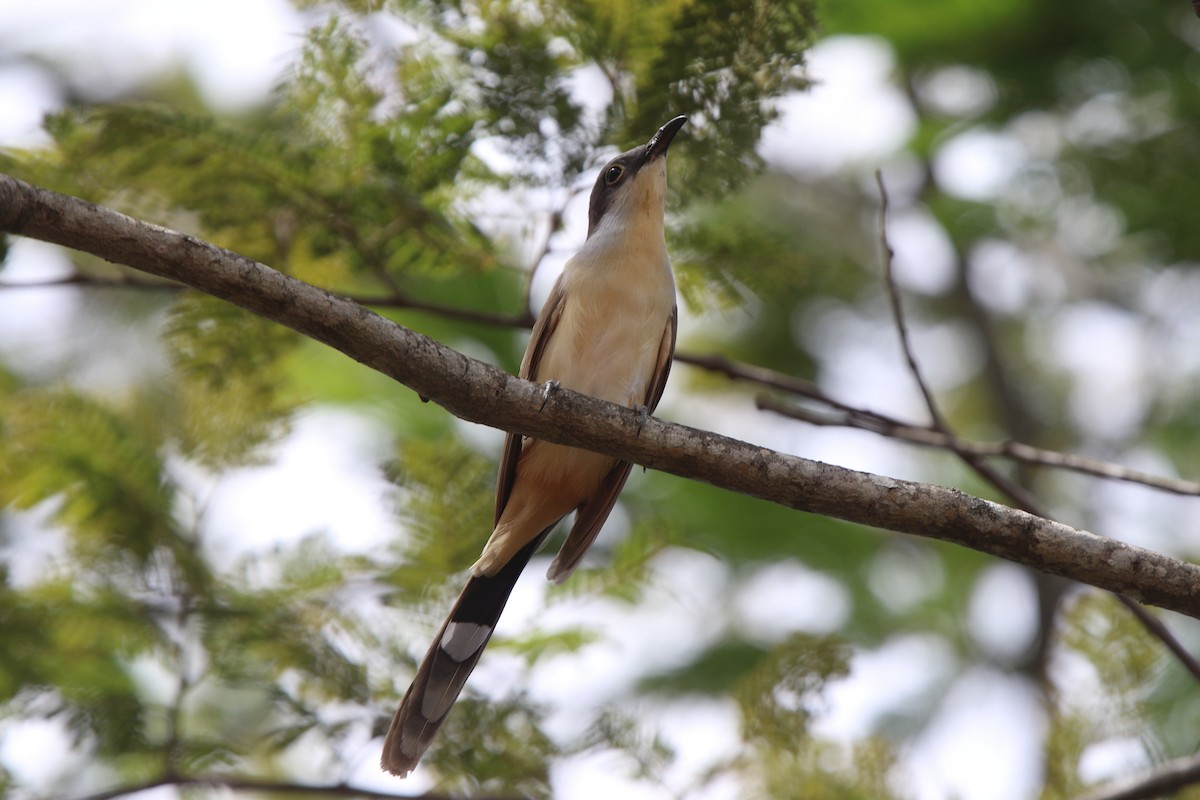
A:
(548, 389)
(643, 413)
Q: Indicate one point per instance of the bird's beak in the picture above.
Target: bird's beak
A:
(659, 142)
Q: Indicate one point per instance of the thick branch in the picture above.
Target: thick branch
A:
(848, 415)
(482, 393)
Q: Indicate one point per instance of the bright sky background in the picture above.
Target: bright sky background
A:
(980, 746)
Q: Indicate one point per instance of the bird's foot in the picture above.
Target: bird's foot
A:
(548, 390)
(643, 413)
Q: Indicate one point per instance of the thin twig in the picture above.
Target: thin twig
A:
(1165, 779)
(1019, 495)
(1016, 451)
(174, 745)
(1159, 630)
(889, 280)
(740, 371)
(554, 225)
(401, 301)
(92, 282)
(266, 787)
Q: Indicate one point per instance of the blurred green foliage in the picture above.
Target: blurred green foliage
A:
(366, 173)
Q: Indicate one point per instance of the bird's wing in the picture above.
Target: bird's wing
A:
(666, 355)
(543, 328)
(595, 510)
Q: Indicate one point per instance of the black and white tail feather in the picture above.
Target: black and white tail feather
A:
(451, 659)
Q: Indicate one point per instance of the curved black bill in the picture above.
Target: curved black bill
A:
(660, 141)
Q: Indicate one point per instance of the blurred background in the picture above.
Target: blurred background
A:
(223, 547)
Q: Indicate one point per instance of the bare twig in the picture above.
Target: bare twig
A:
(1017, 493)
(1158, 629)
(93, 282)
(265, 787)
(762, 376)
(889, 280)
(479, 392)
(1016, 451)
(398, 300)
(887, 425)
(524, 320)
(1165, 779)
(554, 225)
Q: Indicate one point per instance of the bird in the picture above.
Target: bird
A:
(607, 330)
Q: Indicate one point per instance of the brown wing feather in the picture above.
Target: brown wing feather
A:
(595, 510)
(666, 356)
(543, 328)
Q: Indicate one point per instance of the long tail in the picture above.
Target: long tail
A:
(451, 658)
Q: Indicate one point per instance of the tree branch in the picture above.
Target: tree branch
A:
(481, 393)
(1016, 451)
(921, 435)
(265, 787)
(849, 416)
(1017, 493)
(396, 300)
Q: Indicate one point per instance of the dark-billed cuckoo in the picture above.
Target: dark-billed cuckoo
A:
(607, 330)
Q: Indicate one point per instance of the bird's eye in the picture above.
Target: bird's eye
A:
(614, 174)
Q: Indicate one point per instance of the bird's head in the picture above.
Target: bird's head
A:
(631, 188)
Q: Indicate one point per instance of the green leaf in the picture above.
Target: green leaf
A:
(101, 469)
(227, 373)
(775, 698)
(492, 747)
(448, 500)
(725, 63)
(715, 671)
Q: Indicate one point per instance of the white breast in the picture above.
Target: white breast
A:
(615, 312)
